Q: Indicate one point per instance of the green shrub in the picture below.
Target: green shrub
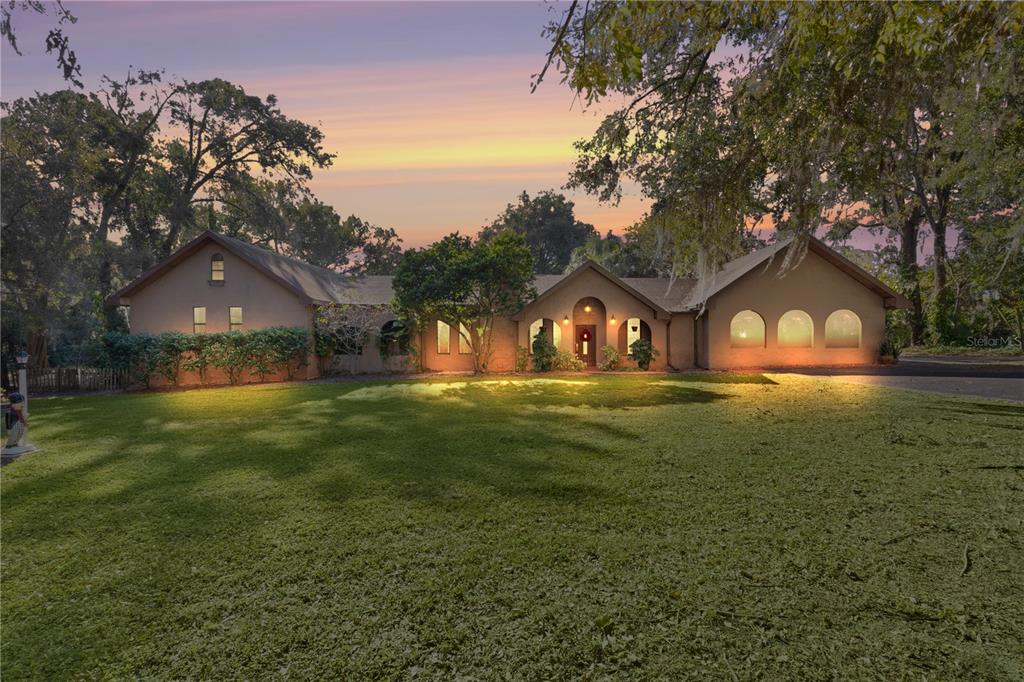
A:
(611, 358)
(262, 351)
(197, 355)
(643, 352)
(284, 348)
(231, 353)
(170, 355)
(544, 353)
(948, 322)
(522, 359)
(892, 345)
(564, 361)
(137, 353)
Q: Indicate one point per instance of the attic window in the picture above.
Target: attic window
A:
(217, 268)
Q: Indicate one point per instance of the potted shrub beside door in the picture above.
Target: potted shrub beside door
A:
(643, 352)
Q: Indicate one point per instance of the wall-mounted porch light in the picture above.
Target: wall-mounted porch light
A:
(566, 320)
(586, 308)
(612, 321)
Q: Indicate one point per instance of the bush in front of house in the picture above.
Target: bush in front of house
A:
(522, 359)
(643, 352)
(261, 352)
(891, 347)
(544, 353)
(564, 361)
(611, 359)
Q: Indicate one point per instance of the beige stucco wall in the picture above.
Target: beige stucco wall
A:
(165, 303)
(816, 287)
(617, 302)
(680, 341)
(503, 358)
(371, 361)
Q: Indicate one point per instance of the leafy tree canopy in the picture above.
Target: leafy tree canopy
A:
(55, 41)
(793, 110)
(467, 284)
(549, 226)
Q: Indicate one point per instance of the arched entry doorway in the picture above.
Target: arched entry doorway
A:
(588, 320)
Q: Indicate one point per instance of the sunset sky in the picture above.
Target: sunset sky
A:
(427, 105)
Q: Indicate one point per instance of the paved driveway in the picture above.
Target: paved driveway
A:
(979, 378)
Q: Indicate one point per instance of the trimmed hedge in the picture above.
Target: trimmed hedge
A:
(261, 352)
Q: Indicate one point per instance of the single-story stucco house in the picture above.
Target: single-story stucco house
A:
(824, 311)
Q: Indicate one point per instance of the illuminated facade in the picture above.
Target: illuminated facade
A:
(824, 311)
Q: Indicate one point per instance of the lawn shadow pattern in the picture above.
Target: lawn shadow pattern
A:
(327, 530)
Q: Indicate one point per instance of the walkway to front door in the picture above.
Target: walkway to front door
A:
(586, 337)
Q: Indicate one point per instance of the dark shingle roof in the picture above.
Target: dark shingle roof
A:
(322, 286)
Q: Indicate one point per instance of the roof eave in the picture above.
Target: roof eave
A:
(123, 296)
(591, 265)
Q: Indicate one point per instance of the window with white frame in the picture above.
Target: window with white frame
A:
(198, 319)
(217, 268)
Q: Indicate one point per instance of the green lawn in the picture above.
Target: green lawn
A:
(757, 526)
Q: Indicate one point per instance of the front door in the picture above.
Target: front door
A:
(586, 340)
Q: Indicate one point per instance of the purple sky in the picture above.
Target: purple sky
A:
(426, 104)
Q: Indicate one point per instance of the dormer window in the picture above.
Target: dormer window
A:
(217, 268)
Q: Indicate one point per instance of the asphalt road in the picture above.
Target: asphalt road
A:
(976, 378)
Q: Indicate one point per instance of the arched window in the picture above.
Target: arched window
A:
(554, 333)
(465, 347)
(633, 329)
(796, 330)
(747, 330)
(842, 330)
(394, 339)
(217, 268)
(444, 338)
(535, 329)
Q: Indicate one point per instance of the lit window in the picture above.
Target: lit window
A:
(747, 330)
(444, 335)
(534, 330)
(465, 347)
(199, 320)
(796, 330)
(554, 335)
(235, 318)
(217, 268)
(842, 330)
(632, 330)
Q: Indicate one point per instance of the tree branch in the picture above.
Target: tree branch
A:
(554, 47)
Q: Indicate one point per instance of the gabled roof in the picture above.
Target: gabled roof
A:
(318, 285)
(310, 283)
(546, 285)
(736, 269)
(686, 295)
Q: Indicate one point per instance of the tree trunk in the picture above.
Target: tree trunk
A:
(39, 356)
(941, 276)
(909, 273)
